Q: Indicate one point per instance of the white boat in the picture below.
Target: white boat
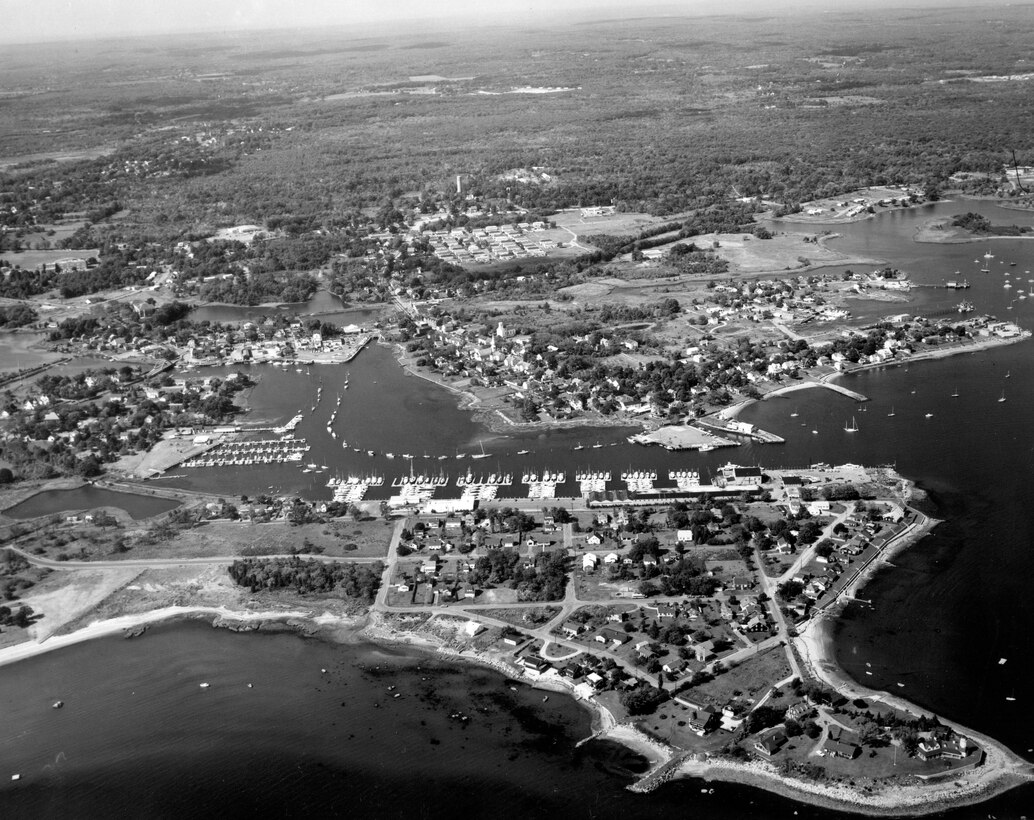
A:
(853, 428)
(203, 685)
(523, 452)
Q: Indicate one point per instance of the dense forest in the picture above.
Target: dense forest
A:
(732, 111)
(544, 580)
(305, 576)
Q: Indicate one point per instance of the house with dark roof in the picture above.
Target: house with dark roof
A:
(572, 629)
(770, 743)
(703, 721)
(608, 634)
(835, 746)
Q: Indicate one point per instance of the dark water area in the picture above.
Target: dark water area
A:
(324, 305)
(88, 498)
(139, 737)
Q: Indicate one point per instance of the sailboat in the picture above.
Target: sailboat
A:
(1002, 397)
(580, 446)
(987, 262)
(955, 395)
(853, 428)
(482, 454)
(891, 413)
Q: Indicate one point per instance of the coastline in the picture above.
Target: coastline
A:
(1000, 771)
(129, 625)
(940, 352)
(494, 418)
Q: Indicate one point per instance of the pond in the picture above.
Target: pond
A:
(88, 498)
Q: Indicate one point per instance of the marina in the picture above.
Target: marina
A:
(248, 453)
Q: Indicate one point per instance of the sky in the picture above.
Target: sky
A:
(29, 21)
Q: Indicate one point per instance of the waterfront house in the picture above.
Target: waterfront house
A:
(535, 666)
(955, 748)
(702, 721)
(733, 715)
(770, 743)
(835, 746)
(595, 681)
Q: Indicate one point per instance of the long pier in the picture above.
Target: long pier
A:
(844, 391)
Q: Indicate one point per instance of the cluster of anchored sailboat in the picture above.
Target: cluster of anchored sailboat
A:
(854, 428)
(985, 267)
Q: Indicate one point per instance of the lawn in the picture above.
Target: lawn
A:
(751, 679)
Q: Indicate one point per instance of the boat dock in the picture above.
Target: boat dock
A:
(639, 481)
(851, 394)
(592, 482)
(685, 480)
(353, 489)
(543, 486)
(241, 453)
(740, 428)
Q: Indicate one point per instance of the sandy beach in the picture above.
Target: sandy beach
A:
(221, 616)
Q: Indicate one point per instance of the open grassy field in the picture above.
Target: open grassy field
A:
(749, 680)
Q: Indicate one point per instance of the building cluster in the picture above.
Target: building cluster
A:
(493, 243)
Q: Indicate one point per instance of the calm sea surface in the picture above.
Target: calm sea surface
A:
(138, 737)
